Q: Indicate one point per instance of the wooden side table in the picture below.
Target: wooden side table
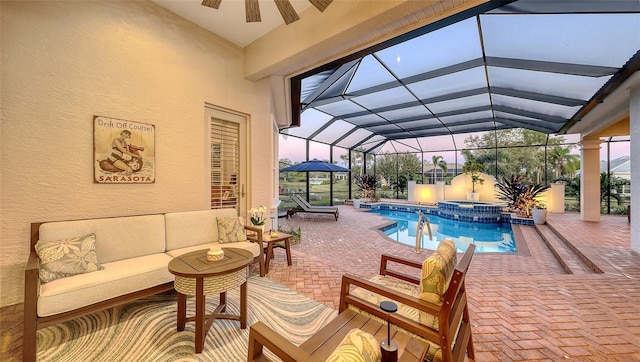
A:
(197, 276)
(319, 346)
(274, 242)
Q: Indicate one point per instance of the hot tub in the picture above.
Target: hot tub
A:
(473, 211)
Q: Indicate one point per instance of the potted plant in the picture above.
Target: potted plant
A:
(356, 201)
(521, 198)
(510, 190)
(472, 168)
(539, 213)
(367, 184)
(257, 216)
(528, 198)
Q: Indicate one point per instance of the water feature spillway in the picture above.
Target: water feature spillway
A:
(471, 211)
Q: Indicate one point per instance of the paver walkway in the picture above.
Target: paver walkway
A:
(523, 307)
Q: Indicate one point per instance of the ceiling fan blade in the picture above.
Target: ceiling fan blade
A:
(287, 11)
(321, 4)
(211, 3)
(252, 11)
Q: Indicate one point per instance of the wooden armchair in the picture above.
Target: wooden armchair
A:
(446, 327)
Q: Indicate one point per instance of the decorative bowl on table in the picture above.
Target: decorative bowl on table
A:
(215, 254)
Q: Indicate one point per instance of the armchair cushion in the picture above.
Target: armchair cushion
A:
(67, 257)
(395, 284)
(357, 346)
(436, 274)
(231, 230)
(437, 271)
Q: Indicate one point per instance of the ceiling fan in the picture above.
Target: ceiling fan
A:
(252, 9)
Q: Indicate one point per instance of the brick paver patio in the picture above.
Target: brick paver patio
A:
(523, 307)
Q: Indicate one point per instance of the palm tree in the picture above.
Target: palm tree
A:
(612, 187)
(438, 161)
(571, 185)
(561, 157)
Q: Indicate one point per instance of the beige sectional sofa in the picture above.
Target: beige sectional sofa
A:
(134, 252)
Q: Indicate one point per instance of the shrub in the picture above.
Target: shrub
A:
(519, 197)
(367, 184)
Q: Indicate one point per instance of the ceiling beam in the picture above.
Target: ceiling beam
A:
(379, 144)
(546, 98)
(430, 116)
(528, 125)
(535, 115)
(551, 67)
(322, 87)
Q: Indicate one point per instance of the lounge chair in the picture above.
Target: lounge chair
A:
(432, 306)
(304, 206)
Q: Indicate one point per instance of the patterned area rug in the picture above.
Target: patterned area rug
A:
(145, 330)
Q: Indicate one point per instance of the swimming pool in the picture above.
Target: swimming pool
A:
(488, 238)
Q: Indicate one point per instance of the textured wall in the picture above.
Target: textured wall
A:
(62, 63)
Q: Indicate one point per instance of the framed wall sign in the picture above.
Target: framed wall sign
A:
(123, 151)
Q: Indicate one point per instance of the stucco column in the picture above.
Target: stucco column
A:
(634, 127)
(590, 179)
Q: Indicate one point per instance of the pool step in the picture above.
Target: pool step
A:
(571, 262)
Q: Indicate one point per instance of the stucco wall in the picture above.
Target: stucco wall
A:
(62, 63)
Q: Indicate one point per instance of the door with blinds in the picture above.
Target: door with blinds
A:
(228, 159)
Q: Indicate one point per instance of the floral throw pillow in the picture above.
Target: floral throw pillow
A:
(64, 258)
(357, 346)
(437, 271)
(231, 230)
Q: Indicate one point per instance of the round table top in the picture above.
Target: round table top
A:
(266, 237)
(196, 265)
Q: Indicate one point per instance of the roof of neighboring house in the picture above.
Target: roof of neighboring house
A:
(618, 165)
(428, 167)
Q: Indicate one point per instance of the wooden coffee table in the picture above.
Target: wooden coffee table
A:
(197, 276)
(274, 242)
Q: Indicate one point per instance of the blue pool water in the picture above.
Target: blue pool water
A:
(488, 238)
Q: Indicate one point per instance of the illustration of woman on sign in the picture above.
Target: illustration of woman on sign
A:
(124, 158)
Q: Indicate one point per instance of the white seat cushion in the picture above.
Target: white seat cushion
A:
(116, 279)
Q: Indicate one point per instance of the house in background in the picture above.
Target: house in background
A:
(433, 174)
(619, 167)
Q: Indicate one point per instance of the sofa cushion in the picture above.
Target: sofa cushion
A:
(357, 346)
(189, 228)
(117, 238)
(116, 279)
(67, 257)
(231, 230)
